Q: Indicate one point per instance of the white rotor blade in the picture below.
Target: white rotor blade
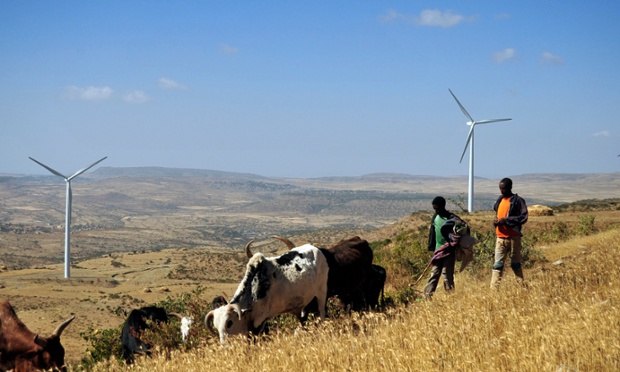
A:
(491, 121)
(461, 106)
(53, 171)
(87, 168)
(471, 132)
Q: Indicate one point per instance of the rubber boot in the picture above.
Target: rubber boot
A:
(496, 277)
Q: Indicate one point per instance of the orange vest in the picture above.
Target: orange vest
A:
(504, 231)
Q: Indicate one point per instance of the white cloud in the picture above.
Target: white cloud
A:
(137, 96)
(550, 59)
(506, 55)
(88, 93)
(166, 83)
(427, 17)
(390, 16)
(228, 49)
(603, 133)
(437, 18)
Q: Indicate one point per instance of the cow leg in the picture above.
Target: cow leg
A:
(322, 301)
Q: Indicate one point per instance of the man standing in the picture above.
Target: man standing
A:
(443, 266)
(511, 215)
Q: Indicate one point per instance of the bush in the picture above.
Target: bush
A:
(586, 225)
(104, 345)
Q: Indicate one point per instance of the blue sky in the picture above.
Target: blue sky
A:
(312, 88)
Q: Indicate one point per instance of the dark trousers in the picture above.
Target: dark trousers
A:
(445, 268)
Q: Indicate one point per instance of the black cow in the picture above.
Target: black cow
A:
(218, 301)
(370, 295)
(135, 324)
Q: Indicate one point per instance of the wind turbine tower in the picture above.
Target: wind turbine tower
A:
(470, 142)
(68, 206)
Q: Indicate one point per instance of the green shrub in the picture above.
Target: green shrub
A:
(104, 344)
(586, 225)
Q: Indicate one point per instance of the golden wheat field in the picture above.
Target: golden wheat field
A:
(566, 318)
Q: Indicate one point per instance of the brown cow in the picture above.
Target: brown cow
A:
(24, 350)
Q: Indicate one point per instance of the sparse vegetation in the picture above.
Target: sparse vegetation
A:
(179, 250)
(475, 328)
(565, 319)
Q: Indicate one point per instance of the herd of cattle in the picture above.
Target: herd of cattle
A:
(298, 282)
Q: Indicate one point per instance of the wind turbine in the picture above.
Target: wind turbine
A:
(470, 141)
(68, 207)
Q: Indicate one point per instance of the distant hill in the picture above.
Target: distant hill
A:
(145, 208)
(151, 172)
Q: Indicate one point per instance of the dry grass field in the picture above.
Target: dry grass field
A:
(567, 318)
(139, 243)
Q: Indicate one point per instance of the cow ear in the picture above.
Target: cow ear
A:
(40, 341)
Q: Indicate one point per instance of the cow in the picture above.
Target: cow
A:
(136, 323)
(273, 286)
(350, 263)
(370, 295)
(218, 301)
(22, 350)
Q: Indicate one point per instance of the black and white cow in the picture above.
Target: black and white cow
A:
(273, 286)
(350, 267)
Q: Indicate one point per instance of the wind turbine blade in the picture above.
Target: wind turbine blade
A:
(491, 121)
(462, 108)
(87, 168)
(48, 168)
(471, 133)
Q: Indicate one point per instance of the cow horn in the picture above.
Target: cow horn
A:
(248, 252)
(209, 320)
(176, 315)
(289, 244)
(61, 327)
(237, 309)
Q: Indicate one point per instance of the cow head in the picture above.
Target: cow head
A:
(48, 354)
(228, 320)
(186, 323)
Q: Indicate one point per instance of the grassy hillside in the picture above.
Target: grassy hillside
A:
(566, 317)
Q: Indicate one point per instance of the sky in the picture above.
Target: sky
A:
(310, 88)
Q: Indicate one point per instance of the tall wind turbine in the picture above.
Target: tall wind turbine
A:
(470, 141)
(68, 206)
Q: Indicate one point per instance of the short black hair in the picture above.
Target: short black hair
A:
(439, 201)
(507, 183)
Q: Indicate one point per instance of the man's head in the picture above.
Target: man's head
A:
(505, 187)
(439, 204)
